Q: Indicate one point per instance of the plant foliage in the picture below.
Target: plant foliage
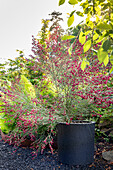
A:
(99, 25)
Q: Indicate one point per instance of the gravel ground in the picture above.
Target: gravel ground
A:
(22, 160)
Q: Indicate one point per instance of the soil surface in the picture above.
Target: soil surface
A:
(22, 159)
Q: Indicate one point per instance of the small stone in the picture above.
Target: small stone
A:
(95, 148)
(108, 155)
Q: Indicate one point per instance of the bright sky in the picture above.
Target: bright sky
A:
(20, 19)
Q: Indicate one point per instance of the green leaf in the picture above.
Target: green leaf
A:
(87, 46)
(103, 56)
(73, 2)
(111, 1)
(112, 52)
(111, 59)
(100, 1)
(86, 9)
(72, 13)
(104, 26)
(79, 13)
(84, 4)
(106, 45)
(61, 2)
(98, 32)
(70, 20)
(20, 52)
(65, 37)
(82, 38)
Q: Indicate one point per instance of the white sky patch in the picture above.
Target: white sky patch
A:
(20, 19)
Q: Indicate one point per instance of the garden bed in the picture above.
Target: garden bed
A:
(22, 159)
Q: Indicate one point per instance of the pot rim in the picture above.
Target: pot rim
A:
(80, 122)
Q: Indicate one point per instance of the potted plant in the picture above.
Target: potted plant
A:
(75, 96)
(80, 94)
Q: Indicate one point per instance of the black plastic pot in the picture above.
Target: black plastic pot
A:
(76, 142)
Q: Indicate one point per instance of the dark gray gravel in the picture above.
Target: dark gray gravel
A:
(22, 160)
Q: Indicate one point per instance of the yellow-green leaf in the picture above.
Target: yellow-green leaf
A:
(88, 18)
(100, 39)
(95, 36)
(73, 2)
(106, 45)
(87, 46)
(79, 13)
(97, 19)
(111, 70)
(27, 87)
(87, 32)
(47, 87)
(104, 26)
(98, 10)
(61, 2)
(90, 24)
(83, 65)
(106, 60)
(103, 56)
(70, 50)
(65, 37)
(70, 20)
(111, 35)
(82, 38)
